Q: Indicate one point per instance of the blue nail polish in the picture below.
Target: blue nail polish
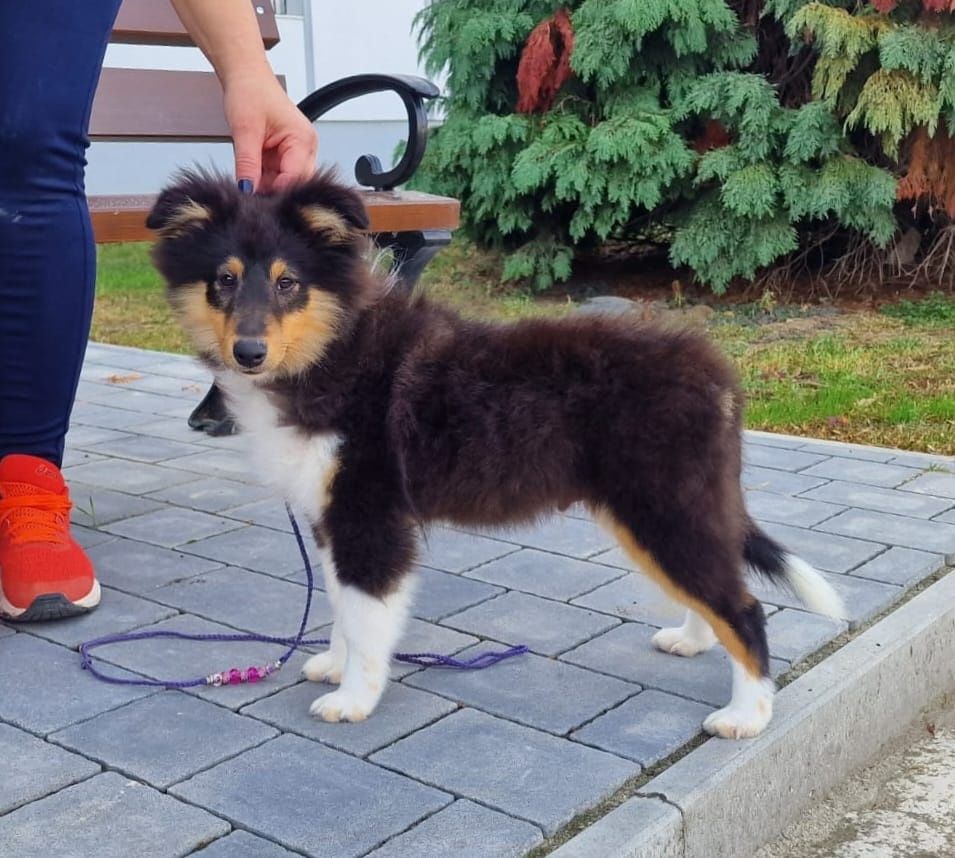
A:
(245, 186)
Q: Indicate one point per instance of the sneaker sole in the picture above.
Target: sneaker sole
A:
(50, 606)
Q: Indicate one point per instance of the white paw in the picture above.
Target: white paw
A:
(340, 706)
(738, 722)
(324, 667)
(678, 642)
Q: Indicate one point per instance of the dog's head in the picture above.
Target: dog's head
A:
(263, 284)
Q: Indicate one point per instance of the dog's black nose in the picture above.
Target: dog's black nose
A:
(250, 353)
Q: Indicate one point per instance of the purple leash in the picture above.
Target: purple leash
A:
(235, 676)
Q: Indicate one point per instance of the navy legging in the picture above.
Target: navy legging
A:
(51, 52)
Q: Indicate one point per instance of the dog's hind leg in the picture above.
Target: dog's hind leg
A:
(694, 636)
(717, 598)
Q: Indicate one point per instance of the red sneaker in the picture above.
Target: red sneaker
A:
(44, 573)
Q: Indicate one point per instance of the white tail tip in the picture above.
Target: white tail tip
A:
(812, 589)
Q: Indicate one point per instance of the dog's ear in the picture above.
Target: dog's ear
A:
(325, 210)
(193, 199)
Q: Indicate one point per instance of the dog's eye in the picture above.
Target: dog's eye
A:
(226, 279)
(283, 284)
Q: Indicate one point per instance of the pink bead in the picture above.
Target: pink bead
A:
(235, 676)
(253, 675)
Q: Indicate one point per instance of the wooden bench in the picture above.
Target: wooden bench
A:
(175, 106)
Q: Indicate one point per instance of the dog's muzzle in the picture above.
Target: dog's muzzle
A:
(250, 353)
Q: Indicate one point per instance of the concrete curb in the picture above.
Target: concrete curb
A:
(729, 798)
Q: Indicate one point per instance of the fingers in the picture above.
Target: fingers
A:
(247, 142)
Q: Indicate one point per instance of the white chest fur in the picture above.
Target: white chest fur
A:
(298, 466)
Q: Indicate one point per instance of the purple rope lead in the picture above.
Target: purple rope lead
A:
(254, 674)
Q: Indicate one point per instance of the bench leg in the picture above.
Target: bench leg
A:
(412, 252)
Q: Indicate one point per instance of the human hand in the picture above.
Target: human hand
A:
(274, 143)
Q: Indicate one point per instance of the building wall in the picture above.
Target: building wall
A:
(328, 41)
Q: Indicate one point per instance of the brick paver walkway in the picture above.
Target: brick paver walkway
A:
(464, 764)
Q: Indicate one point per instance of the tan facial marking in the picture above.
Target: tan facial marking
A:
(233, 265)
(207, 326)
(332, 226)
(305, 334)
(277, 269)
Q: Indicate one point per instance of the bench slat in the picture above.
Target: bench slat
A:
(119, 218)
(154, 22)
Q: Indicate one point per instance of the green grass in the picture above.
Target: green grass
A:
(885, 378)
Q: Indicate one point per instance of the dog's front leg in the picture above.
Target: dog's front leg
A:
(328, 666)
(370, 628)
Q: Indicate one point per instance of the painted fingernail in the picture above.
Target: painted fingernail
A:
(245, 186)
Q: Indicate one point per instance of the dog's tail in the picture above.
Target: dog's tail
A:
(769, 558)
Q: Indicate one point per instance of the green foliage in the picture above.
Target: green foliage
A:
(619, 152)
(935, 310)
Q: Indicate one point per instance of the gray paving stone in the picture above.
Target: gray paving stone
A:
(948, 517)
(115, 818)
(439, 594)
(125, 357)
(74, 457)
(176, 429)
(105, 417)
(464, 830)
(144, 448)
(773, 439)
(794, 635)
(231, 464)
(402, 711)
(241, 844)
(780, 482)
(121, 476)
(647, 728)
(531, 774)
(117, 612)
(878, 500)
(135, 567)
(179, 367)
(786, 509)
(94, 506)
(86, 436)
(167, 385)
(247, 600)
(268, 512)
(544, 574)
(212, 494)
(924, 460)
(778, 458)
(33, 768)
(421, 636)
(626, 652)
(858, 471)
(848, 451)
(454, 551)
(172, 526)
(863, 598)
(933, 536)
(901, 566)
(351, 805)
(536, 691)
(164, 738)
(933, 483)
(545, 626)
(561, 534)
(260, 549)
(90, 537)
(824, 550)
(176, 659)
(51, 690)
(634, 597)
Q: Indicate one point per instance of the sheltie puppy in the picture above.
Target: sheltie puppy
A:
(374, 411)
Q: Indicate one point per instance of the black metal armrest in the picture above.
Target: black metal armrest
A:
(413, 92)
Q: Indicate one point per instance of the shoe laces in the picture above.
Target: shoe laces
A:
(35, 518)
